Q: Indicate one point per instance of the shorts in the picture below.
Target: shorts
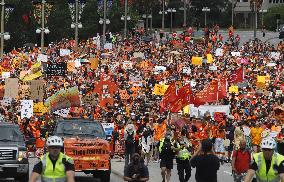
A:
(169, 164)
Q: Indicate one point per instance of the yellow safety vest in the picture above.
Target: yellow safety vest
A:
(56, 175)
(183, 154)
(162, 141)
(272, 175)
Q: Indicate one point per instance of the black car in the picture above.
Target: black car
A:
(13, 153)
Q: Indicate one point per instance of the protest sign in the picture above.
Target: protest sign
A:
(89, 99)
(39, 108)
(62, 112)
(24, 91)
(210, 58)
(5, 75)
(196, 60)
(42, 58)
(127, 65)
(65, 52)
(236, 54)
(94, 63)
(64, 99)
(138, 55)
(108, 127)
(275, 55)
(70, 66)
(213, 68)
(234, 89)
(26, 108)
(11, 87)
(108, 46)
(124, 95)
(160, 69)
(219, 52)
(186, 70)
(160, 89)
(37, 90)
(56, 69)
(199, 112)
(6, 101)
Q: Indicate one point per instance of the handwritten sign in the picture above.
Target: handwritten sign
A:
(26, 108)
(11, 87)
(37, 90)
(108, 127)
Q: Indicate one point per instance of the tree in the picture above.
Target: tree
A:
(270, 18)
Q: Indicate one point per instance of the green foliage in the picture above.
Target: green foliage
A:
(270, 17)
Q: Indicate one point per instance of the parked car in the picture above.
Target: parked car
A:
(13, 153)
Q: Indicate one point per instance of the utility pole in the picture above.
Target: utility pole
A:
(42, 24)
(163, 15)
(104, 23)
(184, 12)
(2, 28)
(76, 22)
(255, 19)
(125, 19)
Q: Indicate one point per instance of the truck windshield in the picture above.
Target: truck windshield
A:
(9, 133)
(81, 129)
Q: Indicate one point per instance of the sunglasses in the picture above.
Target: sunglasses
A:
(55, 147)
(267, 150)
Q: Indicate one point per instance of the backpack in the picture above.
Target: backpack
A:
(130, 139)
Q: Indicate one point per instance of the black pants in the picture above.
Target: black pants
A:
(183, 167)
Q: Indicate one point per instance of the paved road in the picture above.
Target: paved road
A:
(224, 174)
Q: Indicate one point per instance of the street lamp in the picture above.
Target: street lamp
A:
(184, 9)
(5, 12)
(172, 10)
(262, 11)
(125, 18)
(205, 10)
(104, 21)
(233, 3)
(42, 11)
(76, 8)
(163, 13)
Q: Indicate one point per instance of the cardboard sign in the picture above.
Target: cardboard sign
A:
(11, 87)
(71, 66)
(56, 69)
(24, 91)
(26, 108)
(37, 90)
(108, 127)
(89, 99)
(65, 52)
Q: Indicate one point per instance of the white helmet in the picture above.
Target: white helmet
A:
(268, 143)
(54, 141)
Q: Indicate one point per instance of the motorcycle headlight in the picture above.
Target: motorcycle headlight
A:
(22, 155)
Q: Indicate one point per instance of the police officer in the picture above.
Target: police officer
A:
(268, 165)
(166, 154)
(183, 157)
(54, 165)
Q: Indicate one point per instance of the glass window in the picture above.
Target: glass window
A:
(10, 133)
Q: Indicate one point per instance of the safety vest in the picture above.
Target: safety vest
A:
(183, 154)
(56, 175)
(272, 175)
(162, 141)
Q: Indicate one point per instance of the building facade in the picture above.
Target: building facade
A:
(244, 16)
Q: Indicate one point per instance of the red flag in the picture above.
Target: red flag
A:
(208, 94)
(169, 97)
(222, 89)
(237, 76)
(183, 99)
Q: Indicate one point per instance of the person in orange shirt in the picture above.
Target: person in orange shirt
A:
(256, 137)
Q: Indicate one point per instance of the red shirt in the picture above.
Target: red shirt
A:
(242, 161)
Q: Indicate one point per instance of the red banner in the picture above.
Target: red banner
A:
(169, 97)
(183, 99)
(237, 76)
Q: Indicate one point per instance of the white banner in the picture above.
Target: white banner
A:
(26, 108)
(200, 111)
(236, 54)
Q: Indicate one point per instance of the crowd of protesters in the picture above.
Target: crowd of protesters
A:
(255, 110)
